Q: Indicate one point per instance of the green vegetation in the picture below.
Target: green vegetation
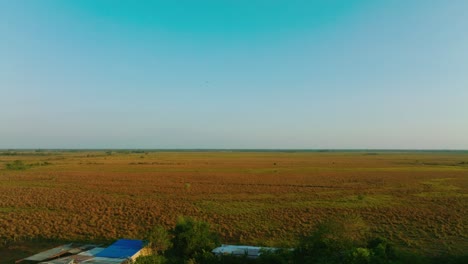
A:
(189, 240)
(159, 239)
(192, 237)
(344, 240)
(16, 165)
(153, 259)
(20, 165)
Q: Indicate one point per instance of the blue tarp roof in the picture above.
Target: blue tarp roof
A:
(122, 248)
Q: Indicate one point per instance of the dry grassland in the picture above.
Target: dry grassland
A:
(418, 200)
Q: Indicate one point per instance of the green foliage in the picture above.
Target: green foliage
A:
(281, 256)
(205, 257)
(339, 240)
(343, 241)
(16, 165)
(447, 259)
(153, 259)
(230, 259)
(358, 255)
(159, 239)
(20, 165)
(192, 236)
(332, 239)
(382, 251)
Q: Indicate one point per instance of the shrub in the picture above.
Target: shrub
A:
(280, 256)
(382, 251)
(358, 256)
(16, 165)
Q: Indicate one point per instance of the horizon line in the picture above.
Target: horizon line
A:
(239, 149)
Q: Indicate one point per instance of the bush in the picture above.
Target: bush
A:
(382, 251)
(280, 256)
(16, 165)
(358, 256)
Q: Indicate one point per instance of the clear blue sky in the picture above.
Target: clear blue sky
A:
(234, 74)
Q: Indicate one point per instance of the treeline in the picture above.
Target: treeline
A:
(340, 240)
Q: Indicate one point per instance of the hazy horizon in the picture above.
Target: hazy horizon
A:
(370, 151)
(311, 75)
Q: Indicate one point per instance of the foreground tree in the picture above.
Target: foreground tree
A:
(159, 239)
(191, 237)
(333, 240)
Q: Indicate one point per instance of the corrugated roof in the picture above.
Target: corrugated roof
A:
(67, 260)
(63, 250)
(92, 252)
(122, 248)
(83, 257)
(103, 260)
(250, 251)
(57, 251)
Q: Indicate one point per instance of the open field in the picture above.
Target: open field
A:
(418, 200)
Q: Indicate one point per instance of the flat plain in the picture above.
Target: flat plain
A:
(418, 200)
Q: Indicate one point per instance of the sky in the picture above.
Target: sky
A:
(354, 74)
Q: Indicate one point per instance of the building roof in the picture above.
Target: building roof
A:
(250, 251)
(103, 260)
(68, 249)
(122, 248)
(82, 257)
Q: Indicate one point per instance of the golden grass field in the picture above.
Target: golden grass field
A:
(418, 200)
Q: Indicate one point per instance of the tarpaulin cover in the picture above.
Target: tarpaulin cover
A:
(122, 248)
